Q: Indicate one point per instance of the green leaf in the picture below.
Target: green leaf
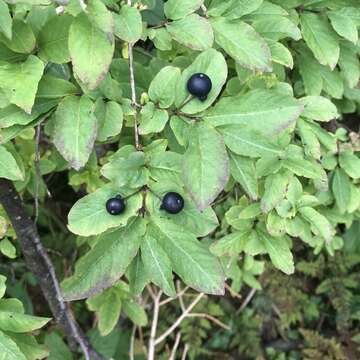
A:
(5, 20)
(319, 108)
(341, 190)
(165, 165)
(12, 115)
(212, 63)
(247, 142)
(266, 111)
(309, 70)
(53, 88)
(89, 216)
(21, 81)
(276, 28)
(29, 347)
(350, 163)
(175, 9)
(75, 130)
(320, 225)
(9, 350)
(19, 323)
(153, 120)
(105, 263)
(157, 265)
(57, 347)
(7, 248)
(349, 63)
(163, 86)
(239, 8)
(190, 258)
(344, 25)
(135, 312)
(280, 54)
(53, 39)
(278, 249)
(133, 172)
(162, 39)
(9, 169)
(199, 223)
(333, 83)
(243, 170)
(275, 190)
(205, 165)
(309, 140)
(320, 38)
(128, 24)
(137, 275)
(109, 117)
(108, 307)
(251, 52)
(302, 167)
(23, 39)
(101, 16)
(91, 51)
(231, 244)
(2, 286)
(194, 32)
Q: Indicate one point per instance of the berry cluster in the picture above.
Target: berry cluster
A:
(199, 85)
(172, 203)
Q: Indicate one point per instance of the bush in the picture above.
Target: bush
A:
(162, 148)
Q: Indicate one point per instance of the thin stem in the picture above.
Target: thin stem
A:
(152, 344)
(186, 350)
(211, 318)
(176, 345)
(133, 91)
(204, 10)
(166, 301)
(37, 170)
(247, 300)
(131, 350)
(164, 335)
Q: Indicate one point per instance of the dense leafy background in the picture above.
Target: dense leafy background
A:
(268, 166)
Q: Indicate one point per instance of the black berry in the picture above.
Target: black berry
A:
(115, 206)
(199, 85)
(172, 203)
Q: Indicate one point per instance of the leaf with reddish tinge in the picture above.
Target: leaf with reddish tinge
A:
(91, 51)
(75, 130)
(105, 263)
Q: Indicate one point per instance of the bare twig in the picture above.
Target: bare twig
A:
(163, 336)
(247, 300)
(39, 262)
(204, 10)
(37, 170)
(83, 5)
(132, 340)
(186, 350)
(181, 293)
(133, 91)
(176, 345)
(232, 292)
(152, 344)
(211, 318)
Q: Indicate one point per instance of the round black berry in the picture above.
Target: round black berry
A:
(115, 206)
(199, 85)
(172, 203)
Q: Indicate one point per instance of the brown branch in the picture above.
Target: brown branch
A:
(40, 264)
